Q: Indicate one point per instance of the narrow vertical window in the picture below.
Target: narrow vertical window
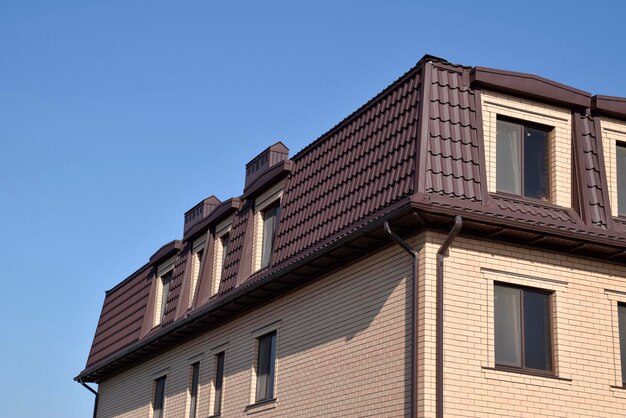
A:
(197, 255)
(193, 390)
(265, 367)
(522, 328)
(219, 381)
(270, 225)
(522, 159)
(621, 310)
(621, 178)
(224, 241)
(166, 280)
(219, 261)
(159, 397)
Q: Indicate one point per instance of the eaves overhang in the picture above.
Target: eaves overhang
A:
(226, 208)
(529, 86)
(349, 244)
(488, 222)
(166, 251)
(267, 179)
(611, 106)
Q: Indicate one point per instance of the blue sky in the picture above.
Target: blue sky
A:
(118, 116)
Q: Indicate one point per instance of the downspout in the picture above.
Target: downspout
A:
(414, 252)
(95, 402)
(456, 228)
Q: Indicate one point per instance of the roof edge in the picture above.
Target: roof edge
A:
(613, 106)
(530, 85)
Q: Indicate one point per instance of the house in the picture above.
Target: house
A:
(455, 247)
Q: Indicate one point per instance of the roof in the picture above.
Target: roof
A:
(416, 146)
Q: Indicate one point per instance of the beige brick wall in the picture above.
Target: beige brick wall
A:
(585, 333)
(494, 104)
(341, 351)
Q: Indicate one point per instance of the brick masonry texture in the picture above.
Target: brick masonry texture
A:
(343, 339)
(584, 330)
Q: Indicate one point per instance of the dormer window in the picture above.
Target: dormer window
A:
(197, 255)
(266, 217)
(164, 277)
(522, 151)
(270, 225)
(621, 178)
(527, 144)
(222, 239)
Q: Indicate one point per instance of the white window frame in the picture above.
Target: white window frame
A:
(199, 245)
(558, 289)
(612, 131)
(163, 269)
(221, 230)
(265, 201)
(560, 139)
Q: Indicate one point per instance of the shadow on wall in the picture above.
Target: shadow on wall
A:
(343, 342)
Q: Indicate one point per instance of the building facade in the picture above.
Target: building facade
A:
(455, 247)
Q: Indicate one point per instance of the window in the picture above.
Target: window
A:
(522, 159)
(164, 277)
(522, 326)
(219, 380)
(265, 367)
(621, 178)
(270, 225)
(621, 311)
(221, 249)
(193, 390)
(159, 397)
(197, 253)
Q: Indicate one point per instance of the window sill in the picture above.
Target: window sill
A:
(523, 199)
(261, 406)
(527, 377)
(215, 416)
(618, 391)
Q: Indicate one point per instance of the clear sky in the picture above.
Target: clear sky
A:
(118, 116)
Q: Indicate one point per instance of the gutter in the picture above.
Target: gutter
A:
(367, 225)
(95, 402)
(456, 228)
(414, 252)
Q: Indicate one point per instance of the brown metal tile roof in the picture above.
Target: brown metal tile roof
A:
(524, 209)
(366, 166)
(122, 316)
(351, 172)
(239, 232)
(176, 285)
(452, 160)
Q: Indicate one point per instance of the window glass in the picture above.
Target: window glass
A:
(621, 309)
(219, 379)
(508, 158)
(537, 330)
(522, 328)
(621, 178)
(508, 326)
(225, 241)
(270, 224)
(159, 397)
(265, 367)
(522, 160)
(535, 163)
(166, 280)
(195, 374)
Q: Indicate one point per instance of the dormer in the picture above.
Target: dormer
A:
(265, 182)
(198, 213)
(527, 128)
